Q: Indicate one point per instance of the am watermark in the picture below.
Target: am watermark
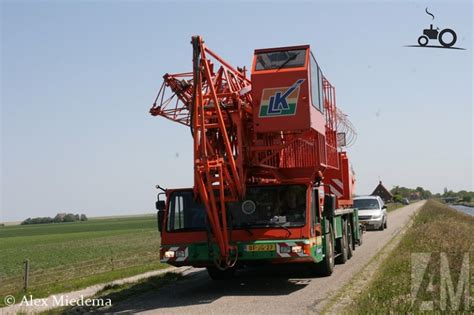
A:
(438, 284)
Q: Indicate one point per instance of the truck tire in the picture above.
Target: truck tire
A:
(343, 245)
(326, 267)
(217, 274)
(361, 236)
(350, 240)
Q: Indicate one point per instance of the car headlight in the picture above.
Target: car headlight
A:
(378, 216)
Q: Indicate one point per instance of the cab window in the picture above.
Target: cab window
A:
(316, 85)
(185, 213)
(280, 59)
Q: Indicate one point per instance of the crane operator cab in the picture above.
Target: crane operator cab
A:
(287, 87)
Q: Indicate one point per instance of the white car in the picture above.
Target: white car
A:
(372, 212)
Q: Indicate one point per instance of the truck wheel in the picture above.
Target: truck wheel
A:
(361, 235)
(217, 274)
(343, 245)
(326, 267)
(350, 240)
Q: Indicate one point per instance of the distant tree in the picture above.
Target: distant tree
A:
(69, 218)
(402, 191)
(427, 194)
(60, 217)
(466, 198)
(27, 221)
(397, 198)
(418, 192)
(39, 220)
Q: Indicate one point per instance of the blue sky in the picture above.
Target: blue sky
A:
(78, 78)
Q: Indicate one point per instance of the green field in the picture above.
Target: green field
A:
(67, 256)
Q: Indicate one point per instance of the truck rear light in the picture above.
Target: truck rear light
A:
(169, 254)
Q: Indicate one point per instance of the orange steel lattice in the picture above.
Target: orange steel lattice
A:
(215, 101)
(217, 106)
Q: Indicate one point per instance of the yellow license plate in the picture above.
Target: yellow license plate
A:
(261, 248)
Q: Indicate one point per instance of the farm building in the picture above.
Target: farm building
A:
(383, 193)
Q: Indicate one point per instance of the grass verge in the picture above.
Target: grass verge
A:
(441, 232)
(118, 293)
(83, 282)
(394, 206)
(64, 257)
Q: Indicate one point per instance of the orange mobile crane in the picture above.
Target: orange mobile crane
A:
(271, 182)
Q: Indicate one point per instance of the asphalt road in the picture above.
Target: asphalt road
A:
(274, 290)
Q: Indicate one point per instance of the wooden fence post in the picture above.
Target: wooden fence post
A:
(27, 271)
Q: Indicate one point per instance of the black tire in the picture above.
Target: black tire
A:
(361, 236)
(425, 42)
(326, 267)
(343, 245)
(381, 226)
(350, 239)
(385, 224)
(443, 43)
(218, 275)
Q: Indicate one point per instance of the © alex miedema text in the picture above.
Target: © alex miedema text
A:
(64, 300)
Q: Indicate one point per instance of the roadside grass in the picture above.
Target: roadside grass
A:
(117, 293)
(394, 206)
(69, 256)
(436, 229)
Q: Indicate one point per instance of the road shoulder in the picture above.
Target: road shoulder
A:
(350, 292)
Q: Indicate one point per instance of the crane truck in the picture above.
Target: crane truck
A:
(272, 182)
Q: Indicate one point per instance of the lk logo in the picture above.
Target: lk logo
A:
(446, 37)
(280, 101)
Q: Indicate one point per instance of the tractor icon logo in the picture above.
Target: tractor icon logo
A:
(280, 101)
(431, 33)
(446, 37)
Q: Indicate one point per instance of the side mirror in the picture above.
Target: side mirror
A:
(384, 207)
(329, 206)
(161, 218)
(160, 205)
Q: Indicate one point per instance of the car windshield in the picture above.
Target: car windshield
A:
(282, 205)
(366, 204)
(280, 59)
